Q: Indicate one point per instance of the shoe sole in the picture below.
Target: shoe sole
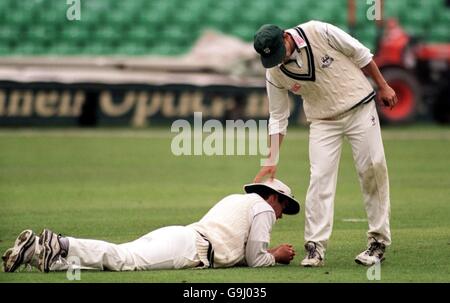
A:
(24, 241)
(364, 264)
(46, 252)
(320, 264)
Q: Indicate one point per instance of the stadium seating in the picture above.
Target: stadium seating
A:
(170, 27)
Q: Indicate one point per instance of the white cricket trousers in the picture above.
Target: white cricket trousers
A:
(362, 129)
(171, 247)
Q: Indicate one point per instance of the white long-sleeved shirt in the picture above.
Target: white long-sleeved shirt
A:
(256, 254)
(337, 39)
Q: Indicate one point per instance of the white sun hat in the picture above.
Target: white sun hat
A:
(275, 185)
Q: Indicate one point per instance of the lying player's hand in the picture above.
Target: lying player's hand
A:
(284, 253)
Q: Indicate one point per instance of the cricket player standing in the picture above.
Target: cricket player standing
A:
(326, 66)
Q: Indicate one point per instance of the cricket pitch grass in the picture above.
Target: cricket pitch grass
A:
(119, 184)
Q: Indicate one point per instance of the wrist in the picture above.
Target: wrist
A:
(271, 160)
(383, 86)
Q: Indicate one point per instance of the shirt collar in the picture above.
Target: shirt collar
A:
(299, 42)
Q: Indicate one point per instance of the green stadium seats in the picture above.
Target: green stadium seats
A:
(75, 33)
(252, 16)
(140, 35)
(64, 49)
(284, 20)
(131, 48)
(153, 19)
(440, 34)
(244, 32)
(178, 36)
(415, 31)
(321, 12)
(50, 19)
(9, 5)
(367, 35)
(97, 48)
(444, 17)
(119, 19)
(9, 35)
(418, 16)
(165, 49)
(394, 8)
(18, 18)
(29, 48)
(41, 34)
(128, 7)
(229, 5)
(219, 21)
(5, 50)
(98, 5)
(169, 27)
(108, 36)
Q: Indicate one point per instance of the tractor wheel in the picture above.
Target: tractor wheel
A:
(408, 93)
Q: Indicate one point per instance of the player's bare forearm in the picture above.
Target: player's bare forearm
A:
(275, 145)
(373, 72)
(270, 166)
(385, 93)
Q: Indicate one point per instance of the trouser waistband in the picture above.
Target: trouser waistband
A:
(210, 253)
(366, 100)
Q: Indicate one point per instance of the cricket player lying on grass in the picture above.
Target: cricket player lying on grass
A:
(235, 232)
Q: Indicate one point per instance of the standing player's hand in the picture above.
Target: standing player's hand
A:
(269, 170)
(387, 95)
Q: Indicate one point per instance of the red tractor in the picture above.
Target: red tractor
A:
(417, 72)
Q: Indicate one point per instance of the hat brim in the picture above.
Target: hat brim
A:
(275, 58)
(293, 206)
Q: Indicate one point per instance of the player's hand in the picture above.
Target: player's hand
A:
(269, 170)
(284, 253)
(387, 95)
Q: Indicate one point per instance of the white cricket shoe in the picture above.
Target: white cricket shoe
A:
(313, 257)
(50, 250)
(21, 253)
(372, 255)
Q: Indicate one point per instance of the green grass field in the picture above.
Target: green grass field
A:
(117, 185)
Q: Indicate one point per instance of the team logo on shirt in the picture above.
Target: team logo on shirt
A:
(326, 61)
